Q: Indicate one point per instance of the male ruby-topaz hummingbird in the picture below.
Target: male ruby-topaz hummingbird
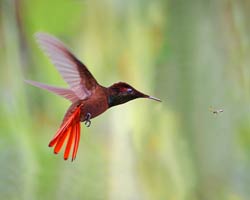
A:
(89, 99)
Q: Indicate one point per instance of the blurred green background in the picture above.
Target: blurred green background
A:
(191, 54)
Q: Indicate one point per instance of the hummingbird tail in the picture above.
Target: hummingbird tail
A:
(70, 129)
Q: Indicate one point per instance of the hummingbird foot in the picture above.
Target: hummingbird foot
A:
(87, 120)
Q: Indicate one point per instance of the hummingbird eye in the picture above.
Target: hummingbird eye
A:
(129, 90)
(126, 90)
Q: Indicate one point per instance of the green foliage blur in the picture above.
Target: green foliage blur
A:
(190, 54)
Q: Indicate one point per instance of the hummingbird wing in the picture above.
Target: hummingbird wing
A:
(70, 129)
(74, 72)
(66, 93)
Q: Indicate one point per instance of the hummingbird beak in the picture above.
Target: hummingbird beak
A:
(154, 98)
(147, 96)
(151, 97)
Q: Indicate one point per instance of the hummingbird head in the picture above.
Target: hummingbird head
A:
(121, 92)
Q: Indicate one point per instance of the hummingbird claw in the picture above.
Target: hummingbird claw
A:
(87, 120)
(88, 123)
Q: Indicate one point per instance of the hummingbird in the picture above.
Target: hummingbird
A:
(89, 99)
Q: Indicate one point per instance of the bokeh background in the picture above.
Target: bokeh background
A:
(191, 54)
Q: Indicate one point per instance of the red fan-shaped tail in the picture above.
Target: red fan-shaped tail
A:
(70, 129)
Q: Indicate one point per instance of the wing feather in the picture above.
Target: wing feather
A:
(66, 93)
(74, 72)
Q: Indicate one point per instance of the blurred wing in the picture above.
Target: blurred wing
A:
(72, 70)
(66, 93)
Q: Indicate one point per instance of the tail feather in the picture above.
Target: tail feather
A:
(61, 140)
(69, 144)
(60, 131)
(77, 139)
(70, 129)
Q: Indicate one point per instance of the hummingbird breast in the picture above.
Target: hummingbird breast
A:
(95, 105)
